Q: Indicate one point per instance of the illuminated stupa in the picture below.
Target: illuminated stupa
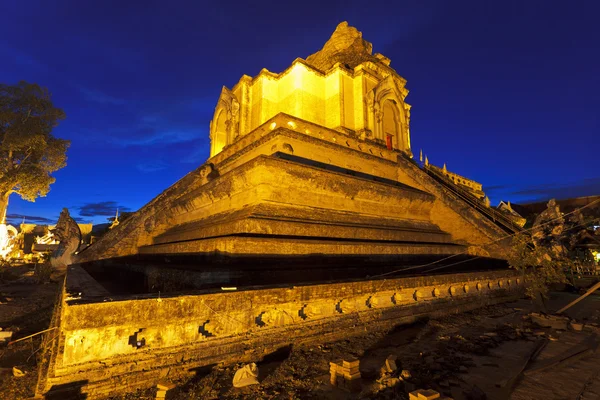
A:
(341, 87)
(311, 167)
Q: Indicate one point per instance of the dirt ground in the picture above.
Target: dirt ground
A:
(475, 355)
(25, 308)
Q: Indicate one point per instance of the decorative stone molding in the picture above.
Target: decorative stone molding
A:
(275, 317)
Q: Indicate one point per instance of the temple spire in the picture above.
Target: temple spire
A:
(116, 221)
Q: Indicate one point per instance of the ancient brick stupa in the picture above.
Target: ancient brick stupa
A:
(309, 168)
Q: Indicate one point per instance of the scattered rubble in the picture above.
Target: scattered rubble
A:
(162, 390)
(345, 374)
(576, 326)
(426, 394)
(5, 336)
(246, 376)
(550, 321)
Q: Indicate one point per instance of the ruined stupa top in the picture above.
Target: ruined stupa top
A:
(346, 46)
(343, 87)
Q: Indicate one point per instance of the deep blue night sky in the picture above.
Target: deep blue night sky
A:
(505, 92)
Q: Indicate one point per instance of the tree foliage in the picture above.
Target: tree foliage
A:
(546, 253)
(542, 267)
(29, 154)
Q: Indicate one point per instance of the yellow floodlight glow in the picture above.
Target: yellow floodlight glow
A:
(6, 244)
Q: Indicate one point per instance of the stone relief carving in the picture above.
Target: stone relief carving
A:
(68, 234)
(275, 317)
(206, 173)
(317, 310)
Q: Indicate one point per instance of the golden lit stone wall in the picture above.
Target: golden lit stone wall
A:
(470, 184)
(367, 102)
(101, 331)
(113, 345)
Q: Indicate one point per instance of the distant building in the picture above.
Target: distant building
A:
(475, 188)
(507, 209)
(34, 239)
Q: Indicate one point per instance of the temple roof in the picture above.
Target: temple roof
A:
(345, 46)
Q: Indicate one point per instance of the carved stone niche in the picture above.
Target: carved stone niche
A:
(225, 125)
(453, 291)
(206, 173)
(387, 113)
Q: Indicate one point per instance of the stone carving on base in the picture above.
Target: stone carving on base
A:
(206, 172)
(275, 317)
(69, 236)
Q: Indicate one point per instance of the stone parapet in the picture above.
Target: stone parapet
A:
(114, 343)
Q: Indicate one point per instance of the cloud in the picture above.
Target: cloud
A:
(99, 97)
(584, 187)
(197, 156)
(103, 208)
(495, 188)
(18, 218)
(147, 136)
(151, 166)
(81, 220)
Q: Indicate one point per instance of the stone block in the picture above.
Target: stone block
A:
(165, 386)
(575, 326)
(350, 377)
(351, 362)
(550, 321)
(390, 364)
(424, 394)
(352, 370)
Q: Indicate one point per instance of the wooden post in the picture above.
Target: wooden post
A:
(577, 300)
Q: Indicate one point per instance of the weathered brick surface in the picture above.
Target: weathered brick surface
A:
(187, 332)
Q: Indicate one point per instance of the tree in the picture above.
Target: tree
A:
(29, 154)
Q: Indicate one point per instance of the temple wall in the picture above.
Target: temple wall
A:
(267, 179)
(349, 101)
(114, 344)
(335, 100)
(454, 216)
(193, 198)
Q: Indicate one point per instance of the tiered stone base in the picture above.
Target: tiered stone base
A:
(122, 344)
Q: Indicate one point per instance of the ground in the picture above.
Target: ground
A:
(473, 355)
(25, 308)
